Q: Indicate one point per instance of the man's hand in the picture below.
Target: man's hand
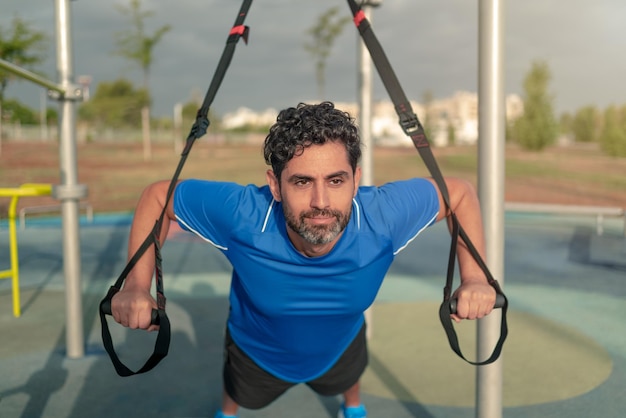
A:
(133, 308)
(475, 299)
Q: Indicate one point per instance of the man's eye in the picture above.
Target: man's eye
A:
(302, 182)
(336, 182)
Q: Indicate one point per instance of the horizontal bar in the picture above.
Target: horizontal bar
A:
(52, 208)
(565, 209)
(598, 211)
(28, 75)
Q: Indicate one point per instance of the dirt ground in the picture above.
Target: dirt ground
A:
(116, 173)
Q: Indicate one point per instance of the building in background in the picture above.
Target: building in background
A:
(458, 113)
(245, 117)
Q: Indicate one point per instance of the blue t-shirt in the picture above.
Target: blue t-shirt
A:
(295, 315)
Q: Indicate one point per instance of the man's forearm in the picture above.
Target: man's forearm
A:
(146, 215)
(466, 207)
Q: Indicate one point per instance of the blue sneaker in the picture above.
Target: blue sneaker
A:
(220, 414)
(352, 412)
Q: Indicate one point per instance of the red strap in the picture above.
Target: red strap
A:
(237, 30)
(358, 18)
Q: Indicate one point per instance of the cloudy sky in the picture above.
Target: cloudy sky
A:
(432, 46)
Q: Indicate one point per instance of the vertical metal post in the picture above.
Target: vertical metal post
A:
(0, 129)
(365, 121)
(69, 191)
(178, 127)
(43, 115)
(365, 106)
(491, 191)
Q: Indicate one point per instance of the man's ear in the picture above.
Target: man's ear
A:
(357, 179)
(272, 181)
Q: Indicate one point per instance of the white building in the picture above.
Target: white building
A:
(459, 113)
(248, 117)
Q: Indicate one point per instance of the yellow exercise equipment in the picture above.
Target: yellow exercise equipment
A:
(25, 190)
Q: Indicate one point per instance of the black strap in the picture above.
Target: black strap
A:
(414, 129)
(199, 128)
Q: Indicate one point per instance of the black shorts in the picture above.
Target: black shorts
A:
(253, 388)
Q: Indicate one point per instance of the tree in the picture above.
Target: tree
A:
(190, 111)
(115, 104)
(565, 124)
(586, 124)
(323, 34)
(14, 111)
(135, 45)
(612, 138)
(21, 45)
(537, 127)
(52, 116)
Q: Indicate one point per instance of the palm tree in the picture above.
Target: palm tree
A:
(135, 45)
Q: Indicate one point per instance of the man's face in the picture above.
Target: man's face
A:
(316, 191)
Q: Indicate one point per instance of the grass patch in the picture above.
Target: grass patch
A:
(116, 173)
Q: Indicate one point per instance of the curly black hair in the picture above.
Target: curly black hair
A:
(297, 128)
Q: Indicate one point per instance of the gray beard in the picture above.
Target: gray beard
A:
(317, 234)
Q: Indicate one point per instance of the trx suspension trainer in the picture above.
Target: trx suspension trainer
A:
(199, 128)
(411, 127)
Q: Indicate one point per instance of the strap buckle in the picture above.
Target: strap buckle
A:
(411, 126)
(410, 123)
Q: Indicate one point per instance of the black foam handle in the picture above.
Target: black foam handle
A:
(106, 309)
(499, 303)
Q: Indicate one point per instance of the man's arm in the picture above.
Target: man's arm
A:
(133, 304)
(475, 296)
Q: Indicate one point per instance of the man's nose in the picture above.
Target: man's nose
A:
(319, 199)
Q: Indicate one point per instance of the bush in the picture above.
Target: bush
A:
(613, 135)
(537, 127)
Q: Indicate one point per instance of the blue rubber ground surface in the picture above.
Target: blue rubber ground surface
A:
(565, 357)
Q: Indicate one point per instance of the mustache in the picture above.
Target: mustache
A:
(321, 212)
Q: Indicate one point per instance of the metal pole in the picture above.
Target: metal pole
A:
(491, 191)
(365, 121)
(365, 105)
(43, 115)
(69, 191)
(0, 128)
(28, 75)
(178, 127)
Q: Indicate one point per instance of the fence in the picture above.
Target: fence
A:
(15, 132)
(600, 212)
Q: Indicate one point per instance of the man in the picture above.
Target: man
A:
(309, 253)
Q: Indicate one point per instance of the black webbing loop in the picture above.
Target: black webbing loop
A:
(199, 128)
(445, 309)
(413, 128)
